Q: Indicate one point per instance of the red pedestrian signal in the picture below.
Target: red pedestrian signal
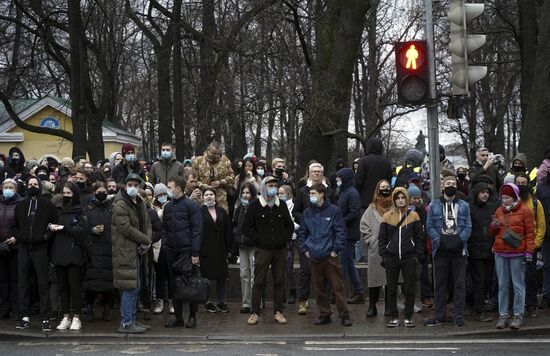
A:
(412, 72)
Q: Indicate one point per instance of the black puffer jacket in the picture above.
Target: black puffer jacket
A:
(69, 244)
(121, 171)
(182, 225)
(480, 242)
(99, 270)
(372, 168)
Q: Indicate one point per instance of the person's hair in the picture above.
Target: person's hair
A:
(251, 188)
(209, 189)
(96, 176)
(481, 149)
(167, 144)
(377, 188)
(522, 175)
(319, 188)
(82, 171)
(215, 144)
(447, 173)
(288, 191)
(47, 187)
(242, 174)
(316, 164)
(277, 160)
(109, 180)
(179, 181)
(33, 177)
(189, 173)
(306, 176)
(98, 185)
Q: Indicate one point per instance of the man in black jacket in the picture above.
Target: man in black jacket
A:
(372, 169)
(128, 165)
(33, 218)
(268, 225)
(481, 258)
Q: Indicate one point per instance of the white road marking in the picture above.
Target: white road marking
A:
(427, 342)
(382, 349)
(141, 342)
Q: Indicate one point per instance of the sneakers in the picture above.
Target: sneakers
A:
(146, 327)
(517, 320)
(302, 308)
(484, 318)
(131, 329)
(222, 308)
(459, 322)
(280, 318)
(171, 307)
(46, 327)
(393, 323)
(434, 322)
(76, 325)
(159, 307)
(253, 319)
(417, 309)
(531, 311)
(65, 323)
(211, 308)
(23, 324)
(323, 320)
(174, 323)
(502, 322)
(409, 323)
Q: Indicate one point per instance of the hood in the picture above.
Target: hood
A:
(21, 163)
(414, 157)
(346, 174)
(39, 183)
(514, 188)
(112, 158)
(187, 161)
(521, 157)
(478, 187)
(340, 163)
(394, 195)
(263, 193)
(374, 146)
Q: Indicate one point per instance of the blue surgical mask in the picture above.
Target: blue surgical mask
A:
(338, 183)
(132, 191)
(8, 193)
(166, 154)
(271, 192)
(283, 197)
(260, 172)
(130, 157)
(245, 202)
(170, 194)
(314, 200)
(162, 199)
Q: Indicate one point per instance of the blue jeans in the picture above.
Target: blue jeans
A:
(348, 266)
(510, 269)
(129, 299)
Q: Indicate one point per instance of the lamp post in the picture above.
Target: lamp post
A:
(514, 110)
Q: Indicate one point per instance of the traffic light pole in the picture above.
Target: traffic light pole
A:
(432, 113)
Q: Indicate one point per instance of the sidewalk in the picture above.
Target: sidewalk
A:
(232, 326)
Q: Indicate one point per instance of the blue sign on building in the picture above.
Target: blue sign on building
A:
(50, 123)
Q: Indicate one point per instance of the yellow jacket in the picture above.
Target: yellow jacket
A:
(540, 221)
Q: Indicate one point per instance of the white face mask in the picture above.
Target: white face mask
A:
(132, 192)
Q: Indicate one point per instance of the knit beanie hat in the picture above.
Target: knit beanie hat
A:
(508, 190)
(160, 188)
(414, 191)
(127, 147)
(67, 162)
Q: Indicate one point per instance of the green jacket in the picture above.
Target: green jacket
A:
(164, 170)
(127, 235)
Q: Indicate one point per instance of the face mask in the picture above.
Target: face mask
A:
(43, 177)
(15, 160)
(314, 200)
(33, 191)
(384, 193)
(8, 193)
(338, 183)
(518, 168)
(210, 204)
(510, 207)
(260, 172)
(244, 202)
(450, 191)
(67, 200)
(279, 171)
(111, 191)
(166, 154)
(461, 176)
(162, 199)
(283, 197)
(132, 192)
(523, 190)
(101, 196)
(81, 185)
(271, 192)
(130, 157)
(170, 194)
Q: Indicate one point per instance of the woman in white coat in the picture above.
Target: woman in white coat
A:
(370, 226)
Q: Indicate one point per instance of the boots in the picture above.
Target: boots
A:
(357, 298)
(374, 295)
(89, 314)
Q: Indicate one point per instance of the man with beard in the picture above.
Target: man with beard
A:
(86, 194)
(481, 258)
(531, 283)
(214, 169)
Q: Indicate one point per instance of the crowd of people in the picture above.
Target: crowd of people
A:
(76, 236)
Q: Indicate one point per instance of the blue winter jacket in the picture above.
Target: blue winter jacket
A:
(434, 223)
(349, 202)
(182, 225)
(322, 231)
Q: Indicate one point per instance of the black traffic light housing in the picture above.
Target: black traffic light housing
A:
(411, 64)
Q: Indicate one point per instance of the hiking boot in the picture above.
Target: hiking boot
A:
(434, 322)
(322, 320)
(23, 324)
(484, 318)
(393, 323)
(76, 324)
(280, 318)
(302, 308)
(211, 308)
(357, 298)
(531, 311)
(65, 323)
(502, 322)
(253, 319)
(517, 320)
(131, 329)
(159, 307)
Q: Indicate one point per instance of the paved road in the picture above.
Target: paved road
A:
(318, 347)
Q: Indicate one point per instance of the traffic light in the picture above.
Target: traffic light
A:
(411, 61)
(462, 44)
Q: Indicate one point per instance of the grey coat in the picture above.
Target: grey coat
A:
(370, 227)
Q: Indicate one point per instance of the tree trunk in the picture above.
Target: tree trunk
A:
(177, 85)
(528, 35)
(164, 92)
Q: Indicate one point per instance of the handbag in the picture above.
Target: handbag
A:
(511, 237)
(4, 248)
(194, 289)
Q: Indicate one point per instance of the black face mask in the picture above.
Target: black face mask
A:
(67, 200)
(384, 193)
(524, 191)
(279, 171)
(518, 169)
(111, 191)
(33, 191)
(450, 191)
(81, 185)
(101, 196)
(42, 176)
(461, 176)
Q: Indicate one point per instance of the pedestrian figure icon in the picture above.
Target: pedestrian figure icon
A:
(412, 56)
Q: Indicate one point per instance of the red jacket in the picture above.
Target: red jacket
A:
(521, 221)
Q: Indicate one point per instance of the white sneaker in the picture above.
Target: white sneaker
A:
(159, 307)
(76, 324)
(171, 307)
(417, 309)
(65, 323)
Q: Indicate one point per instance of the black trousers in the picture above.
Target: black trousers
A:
(304, 279)
(171, 257)
(407, 267)
(146, 291)
(482, 278)
(445, 267)
(531, 283)
(8, 283)
(28, 262)
(262, 260)
(69, 281)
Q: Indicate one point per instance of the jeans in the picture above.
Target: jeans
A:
(510, 269)
(348, 267)
(129, 299)
(546, 269)
(246, 263)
